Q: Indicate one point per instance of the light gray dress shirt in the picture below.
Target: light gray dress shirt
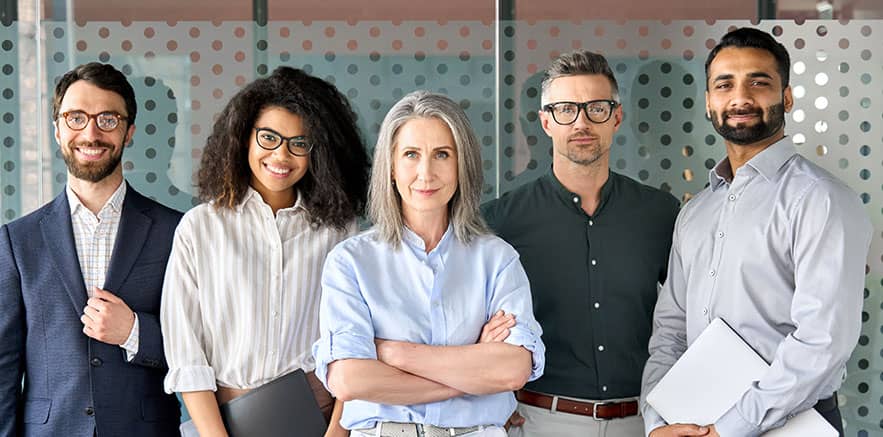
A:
(778, 251)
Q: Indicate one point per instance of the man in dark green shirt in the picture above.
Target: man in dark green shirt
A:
(595, 246)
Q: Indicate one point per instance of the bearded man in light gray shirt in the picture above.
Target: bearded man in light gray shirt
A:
(775, 246)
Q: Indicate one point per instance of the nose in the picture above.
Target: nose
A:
(282, 152)
(742, 96)
(582, 119)
(91, 131)
(424, 168)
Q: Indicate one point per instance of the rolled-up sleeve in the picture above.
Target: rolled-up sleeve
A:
(181, 320)
(347, 331)
(511, 293)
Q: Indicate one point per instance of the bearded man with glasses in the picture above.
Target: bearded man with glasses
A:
(80, 283)
(595, 247)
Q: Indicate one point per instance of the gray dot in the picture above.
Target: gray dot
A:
(865, 150)
(866, 78)
(172, 117)
(261, 45)
(9, 166)
(7, 45)
(710, 140)
(419, 80)
(621, 67)
(865, 174)
(665, 164)
(9, 190)
(150, 177)
(464, 80)
(843, 67)
(329, 56)
(464, 56)
(59, 178)
(620, 164)
(709, 163)
(843, 115)
(643, 79)
(128, 165)
(374, 80)
(104, 56)
(173, 190)
(509, 152)
(866, 54)
(149, 105)
(688, 103)
(865, 126)
(171, 142)
(643, 175)
(687, 127)
(262, 69)
(487, 140)
(352, 93)
(10, 214)
(8, 93)
(308, 68)
(487, 68)
(150, 153)
(397, 69)
(442, 68)
(8, 69)
(843, 139)
(465, 104)
(375, 104)
(487, 116)
(509, 127)
(150, 129)
(352, 69)
(285, 56)
(58, 57)
(643, 103)
(374, 56)
(8, 117)
(58, 32)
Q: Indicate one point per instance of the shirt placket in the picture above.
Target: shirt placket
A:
(274, 292)
(432, 269)
(720, 231)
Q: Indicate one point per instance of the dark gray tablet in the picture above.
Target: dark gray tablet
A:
(281, 408)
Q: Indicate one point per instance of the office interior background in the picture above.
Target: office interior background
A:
(186, 59)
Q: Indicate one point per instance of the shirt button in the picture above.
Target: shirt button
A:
(594, 262)
(603, 388)
(591, 223)
(704, 310)
(597, 305)
(711, 273)
(575, 199)
(720, 234)
(275, 314)
(90, 411)
(601, 348)
(96, 362)
(732, 197)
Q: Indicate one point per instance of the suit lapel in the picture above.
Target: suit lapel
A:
(58, 233)
(131, 236)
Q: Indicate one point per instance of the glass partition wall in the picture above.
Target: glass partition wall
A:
(186, 60)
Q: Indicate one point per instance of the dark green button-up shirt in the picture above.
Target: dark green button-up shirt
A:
(593, 278)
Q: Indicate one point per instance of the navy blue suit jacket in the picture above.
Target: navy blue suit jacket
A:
(74, 385)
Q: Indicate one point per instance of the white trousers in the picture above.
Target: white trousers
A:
(493, 431)
(541, 422)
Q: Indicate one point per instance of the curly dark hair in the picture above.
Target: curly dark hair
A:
(335, 184)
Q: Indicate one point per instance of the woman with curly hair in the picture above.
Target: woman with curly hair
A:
(284, 174)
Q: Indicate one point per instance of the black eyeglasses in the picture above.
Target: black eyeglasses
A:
(106, 121)
(269, 139)
(598, 111)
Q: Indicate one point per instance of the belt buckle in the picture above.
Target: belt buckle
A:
(595, 411)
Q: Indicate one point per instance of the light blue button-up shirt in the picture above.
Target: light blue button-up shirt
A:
(778, 251)
(442, 298)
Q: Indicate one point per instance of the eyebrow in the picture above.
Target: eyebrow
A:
(752, 75)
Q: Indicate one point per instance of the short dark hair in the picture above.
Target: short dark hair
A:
(758, 39)
(334, 188)
(104, 76)
(577, 63)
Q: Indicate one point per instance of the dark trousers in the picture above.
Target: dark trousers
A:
(829, 409)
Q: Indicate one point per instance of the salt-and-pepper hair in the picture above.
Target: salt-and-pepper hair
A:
(578, 63)
(384, 201)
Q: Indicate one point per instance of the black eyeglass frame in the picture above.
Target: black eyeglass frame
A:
(288, 141)
(584, 107)
(90, 117)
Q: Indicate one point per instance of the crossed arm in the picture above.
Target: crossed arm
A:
(409, 373)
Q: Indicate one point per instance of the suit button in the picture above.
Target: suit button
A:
(90, 411)
(96, 362)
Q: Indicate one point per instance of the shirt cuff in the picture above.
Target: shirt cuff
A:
(733, 424)
(131, 343)
(190, 378)
(520, 335)
(332, 347)
(652, 420)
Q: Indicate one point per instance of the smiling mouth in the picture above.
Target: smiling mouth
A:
(426, 192)
(277, 171)
(91, 153)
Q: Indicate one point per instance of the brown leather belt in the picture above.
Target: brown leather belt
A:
(598, 411)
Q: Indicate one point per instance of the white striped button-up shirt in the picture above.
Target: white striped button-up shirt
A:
(240, 303)
(94, 237)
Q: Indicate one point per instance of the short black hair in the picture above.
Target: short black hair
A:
(758, 39)
(103, 76)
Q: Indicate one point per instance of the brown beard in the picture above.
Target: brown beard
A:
(93, 171)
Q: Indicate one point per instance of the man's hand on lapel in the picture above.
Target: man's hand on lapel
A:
(107, 318)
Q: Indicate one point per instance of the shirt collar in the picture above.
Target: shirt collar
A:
(767, 163)
(115, 202)
(252, 195)
(572, 199)
(415, 242)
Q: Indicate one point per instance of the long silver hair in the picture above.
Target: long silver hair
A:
(384, 201)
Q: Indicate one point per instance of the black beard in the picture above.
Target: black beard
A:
(743, 135)
(92, 172)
